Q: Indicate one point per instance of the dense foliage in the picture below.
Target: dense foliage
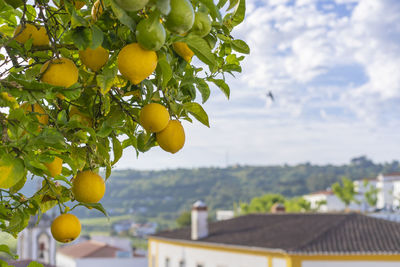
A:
(62, 105)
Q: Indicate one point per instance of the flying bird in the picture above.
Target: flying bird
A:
(270, 95)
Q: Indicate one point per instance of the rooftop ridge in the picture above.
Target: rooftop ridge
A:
(330, 228)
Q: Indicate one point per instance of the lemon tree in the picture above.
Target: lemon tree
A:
(80, 81)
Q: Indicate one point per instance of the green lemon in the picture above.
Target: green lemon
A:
(132, 5)
(150, 34)
(202, 24)
(181, 18)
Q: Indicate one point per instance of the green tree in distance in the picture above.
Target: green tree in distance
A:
(371, 194)
(87, 122)
(345, 192)
(185, 219)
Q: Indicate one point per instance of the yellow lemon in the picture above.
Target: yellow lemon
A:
(154, 117)
(97, 10)
(82, 118)
(65, 228)
(55, 167)
(172, 138)
(94, 59)
(88, 187)
(136, 63)
(42, 117)
(59, 72)
(9, 99)
(183, 50)
(39, 35)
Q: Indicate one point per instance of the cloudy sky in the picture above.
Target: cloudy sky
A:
(334, 69)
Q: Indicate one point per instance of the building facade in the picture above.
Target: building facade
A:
(279, 240)
(35, 242)
(388, 195)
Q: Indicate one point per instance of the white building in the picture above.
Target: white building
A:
(97, 254)
(331, 202)
(225, 215)
(388, 195)
(279, 240)
(35, 242)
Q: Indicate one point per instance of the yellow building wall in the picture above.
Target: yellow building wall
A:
(273, 259)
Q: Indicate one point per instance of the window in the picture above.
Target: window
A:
(182, 263)
(166, 262)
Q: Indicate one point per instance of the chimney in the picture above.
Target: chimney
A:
(199, 220)
(278, 208)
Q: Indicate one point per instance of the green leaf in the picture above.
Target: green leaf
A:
(108, 171)
(203, 88)
(4, 264)
(201, 49)
(106, 80)
(221, 3)
(35, 264)
(12, 170)
(18, 222)
(28, 44)
(122, 16)
(164, 6)
(77, 21)
(117, 149)
(81, 37)
(197, 111)
(240, 46)
(239, 13)
(214, 12)
(6, 249)
(97, 37)
(166, 71)
(232, 4)
(18, 186)
(221, 85)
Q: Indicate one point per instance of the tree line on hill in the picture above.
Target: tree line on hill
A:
(163, 195)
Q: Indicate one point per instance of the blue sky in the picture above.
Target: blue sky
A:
(333, 67)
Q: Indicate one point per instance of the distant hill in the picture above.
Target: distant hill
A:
(163, 195)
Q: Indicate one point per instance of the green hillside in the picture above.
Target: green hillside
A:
(163, 195)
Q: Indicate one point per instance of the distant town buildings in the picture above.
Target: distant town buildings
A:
(278, 240)
(97, 254)
(388, 196)
(224, 215)
(36, 243)
(134, 229)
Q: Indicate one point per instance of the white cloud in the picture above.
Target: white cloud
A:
(335, 77)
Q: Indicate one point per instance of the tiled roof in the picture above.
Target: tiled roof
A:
(392, 174)
(323, 233)
(89, 249)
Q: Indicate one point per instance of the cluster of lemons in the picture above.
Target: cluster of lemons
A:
(136, 62)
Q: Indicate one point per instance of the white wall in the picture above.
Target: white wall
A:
(277, 262)
(111, 262)
(349, 264)
(64, 261)
(207, 257)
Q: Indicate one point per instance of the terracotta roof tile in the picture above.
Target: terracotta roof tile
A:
(89, 249)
